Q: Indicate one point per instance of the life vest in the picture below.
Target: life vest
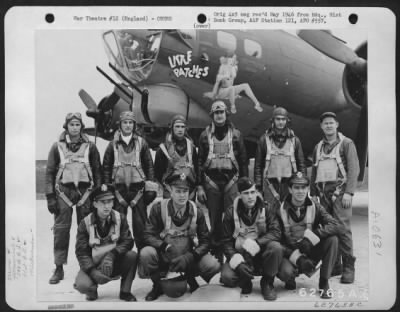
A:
(296, 229)
(100, 246)
(279, 162)
(74, 167)
(243, 231)
(127, 166)
(328, 164)
(182, 237)
(177, 163)
(220, 153)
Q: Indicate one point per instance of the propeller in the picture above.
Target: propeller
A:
(333, 47)
(91, 112)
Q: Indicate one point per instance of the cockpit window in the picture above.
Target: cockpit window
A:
(112, 47)
(135, 51)
(252, 48)
(226, 40)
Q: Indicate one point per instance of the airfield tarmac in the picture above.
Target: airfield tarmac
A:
(213, 292)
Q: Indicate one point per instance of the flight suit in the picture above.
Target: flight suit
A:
(93, 243)
(187, 234)
(127, 166)
(73, 169)
(175, 156)
(294, 223)
(222, 161)
(277, 158)
(261, 226)
(335, 171)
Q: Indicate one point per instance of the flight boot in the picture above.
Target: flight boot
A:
(193, 285)
(92, 295)
(324, 289)
(267, 288)
(247, 287)
(337, 268)
(290, 284)
(57, 275)
(348, 269)
(156, 291)
(127, 296)
(219, 255)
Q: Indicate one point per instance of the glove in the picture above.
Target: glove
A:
(107, 264)
(149, 196)
(287, 252)
(201, 195)
(305, 265)
(166, 252)
(315, 199)
(346, 200)
(182, 263)
(99, 277)
(305, 246)
(244, 271)
(248, 259)
(309, 240)
(236, 259)
(52, 204)
(251, 246)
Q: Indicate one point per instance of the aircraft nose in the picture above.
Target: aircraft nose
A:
(137, 48)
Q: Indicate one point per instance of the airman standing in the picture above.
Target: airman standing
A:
(73, 169)
(127, 164)
(279, 154)
(334, 181)
(222, 160)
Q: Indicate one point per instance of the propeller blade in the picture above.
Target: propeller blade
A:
(95, 132)
(333, 47)
(361, 141)
(87, 100)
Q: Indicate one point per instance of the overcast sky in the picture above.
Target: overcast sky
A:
(65, 63)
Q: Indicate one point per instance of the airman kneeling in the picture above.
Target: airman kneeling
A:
(177, 241)
(103, 248)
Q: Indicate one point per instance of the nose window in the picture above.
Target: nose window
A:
(134, 51)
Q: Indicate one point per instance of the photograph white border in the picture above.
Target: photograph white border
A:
(20, 26)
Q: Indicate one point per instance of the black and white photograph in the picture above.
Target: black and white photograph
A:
(219, 166)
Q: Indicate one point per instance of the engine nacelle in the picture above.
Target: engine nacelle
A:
(165, 101)
(355, 82)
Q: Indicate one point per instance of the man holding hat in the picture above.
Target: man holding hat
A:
(177, 238)
(309, 235)
(73, 169)
(103, 248)
(334, 181)
(222, 160)
(279, 154)
(127, 164)
(251, 235)
(176, 155)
